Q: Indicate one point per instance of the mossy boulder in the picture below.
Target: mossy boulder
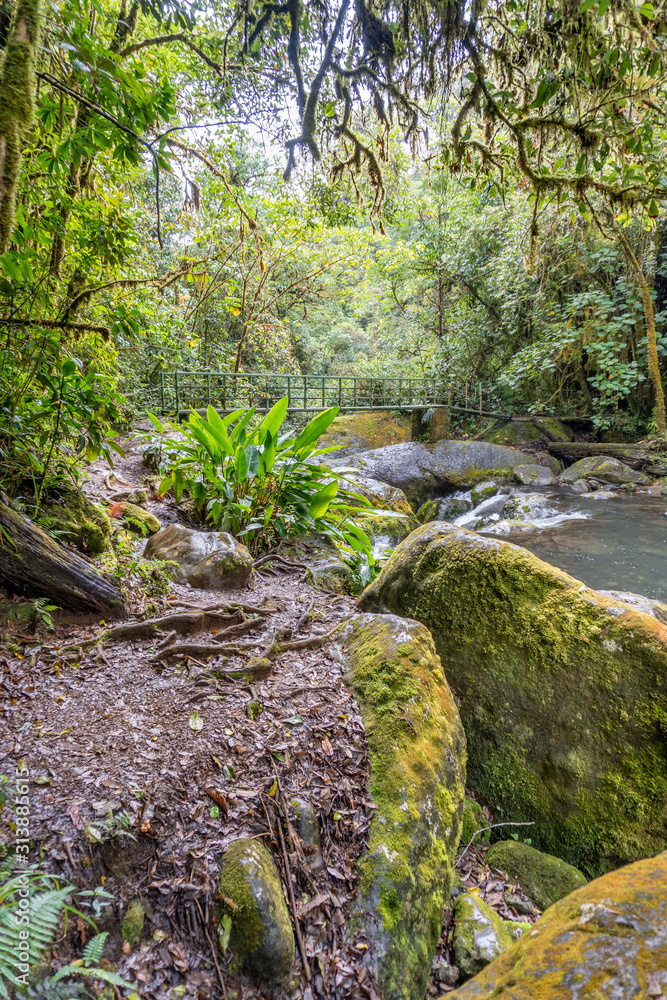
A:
(74, 519)
(563, 691)
(210, 560)
(543, 877)
(133, 922)
(140, 521)
(480, 935)
(356, 432)
(514, 433)
(607, 470)
(429, 470)
(606, 940)
(553, 429)
(261, 937)
(417, 777)
(509, 527)
(473, 820)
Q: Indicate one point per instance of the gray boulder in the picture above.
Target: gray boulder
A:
(424, 470)
(607, 470)
(526, 505)
(447, 509)
(534, 475)
(210, 560)
(543, 877)
(509, 526)
(480, 935)
(261, 935)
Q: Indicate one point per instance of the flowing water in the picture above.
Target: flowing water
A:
(616, 544)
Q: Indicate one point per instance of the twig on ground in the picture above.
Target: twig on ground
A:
(304, 617)
(287, 564)
(211, 648)
(213, 950)
(492, 826)
(288, 877)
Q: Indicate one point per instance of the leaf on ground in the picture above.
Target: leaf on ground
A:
(196, 722)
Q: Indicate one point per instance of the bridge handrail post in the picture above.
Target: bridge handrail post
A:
(480, 399)
(178, 396)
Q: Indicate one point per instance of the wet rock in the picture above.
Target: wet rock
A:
(140, 521)
(417, 769)
(562, 690)
(608, 939)
(425, 470)
(210, 560)
(473, 820)
(480, 935)
(446, 509)
(646, 604)
(482, 492)
(600, 495)
(607, 470)
(133, 922)
(308, 828)
(526, 505)
(543, 877)
(486, 512)
(447, 975)
(579, 486)
(261, 935)
(534, 475)
(509, 526)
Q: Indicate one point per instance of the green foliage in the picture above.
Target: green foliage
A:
(245, 477)
(37, 611)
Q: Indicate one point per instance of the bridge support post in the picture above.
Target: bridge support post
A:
(430, 424)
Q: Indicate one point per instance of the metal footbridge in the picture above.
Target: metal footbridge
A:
(180, 392)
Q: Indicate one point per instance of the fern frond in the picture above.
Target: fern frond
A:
(92, 953)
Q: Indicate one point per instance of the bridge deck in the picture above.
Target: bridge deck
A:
(187, 390)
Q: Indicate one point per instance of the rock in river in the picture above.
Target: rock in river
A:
(210, 560)
(534, 475)
(606, 940)
(425, 470)
(607, 470)
(563, 691)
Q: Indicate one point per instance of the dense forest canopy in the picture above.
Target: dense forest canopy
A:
(469, 190)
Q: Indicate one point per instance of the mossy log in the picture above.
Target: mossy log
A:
(34, 563)
(635, 455)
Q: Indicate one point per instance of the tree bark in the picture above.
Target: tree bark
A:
(652, 343)
(35, 564)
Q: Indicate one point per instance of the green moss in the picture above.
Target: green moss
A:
(140, 521)
(563, 691)
(480, 935)
(514, 433)
(544, 878)
(261, 935)
(607, 939)
(356, 432)
(74, 519)
(417, 753)
(473, 820)
(133, 923)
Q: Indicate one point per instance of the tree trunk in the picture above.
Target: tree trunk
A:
(652, 343)
(17, 100)
(35, 564)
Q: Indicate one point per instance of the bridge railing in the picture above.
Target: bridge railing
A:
(181, 391)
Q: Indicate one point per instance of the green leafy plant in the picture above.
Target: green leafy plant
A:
(88, 965)
(261, 485)
(37, 611)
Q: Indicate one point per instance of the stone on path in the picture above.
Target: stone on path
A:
(252, 895)
(209, 560)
